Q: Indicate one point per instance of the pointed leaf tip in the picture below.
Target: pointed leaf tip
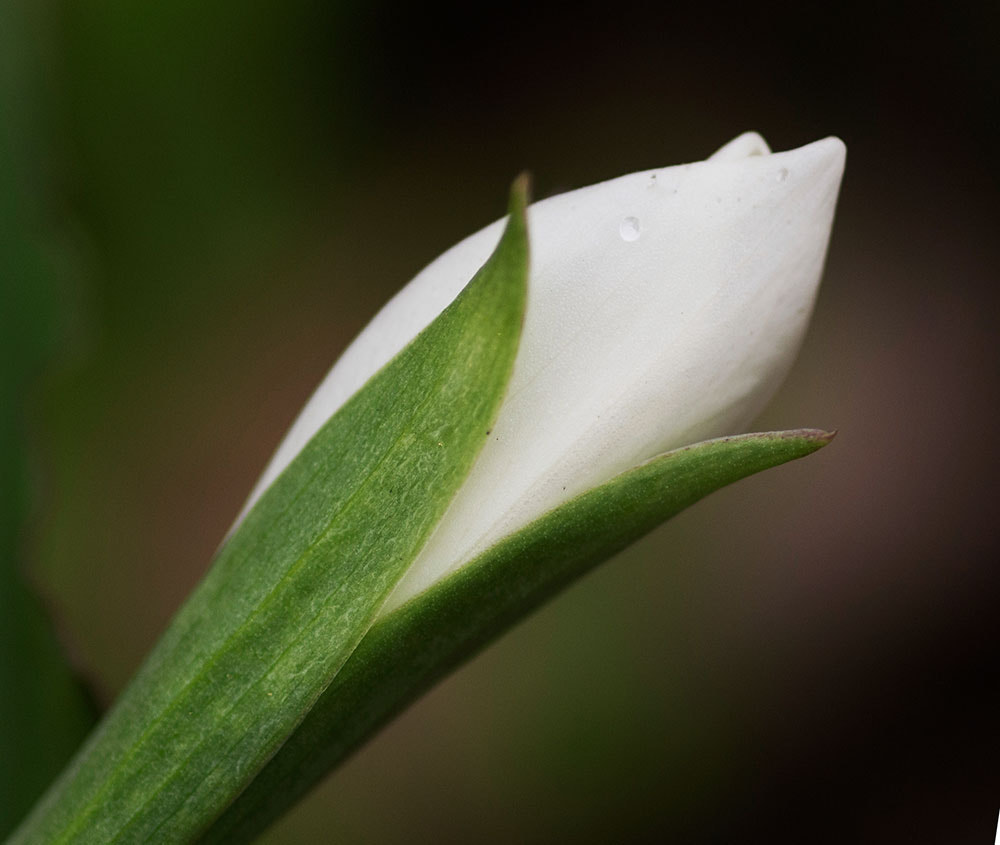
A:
(520, 189)
(820, 437)
(517, 211)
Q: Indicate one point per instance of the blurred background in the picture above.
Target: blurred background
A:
(203, 202)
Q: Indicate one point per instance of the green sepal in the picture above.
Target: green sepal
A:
(405, 652)
(297, 586)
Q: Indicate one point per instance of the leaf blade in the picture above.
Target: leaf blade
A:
(289, 597)
(408, 651)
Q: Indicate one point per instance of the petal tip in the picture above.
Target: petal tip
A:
(742, 146)
(828, 153)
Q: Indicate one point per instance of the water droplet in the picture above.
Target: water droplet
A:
(629, 229)
(782, 174)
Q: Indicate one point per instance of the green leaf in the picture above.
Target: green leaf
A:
(294, 590)
(407, 651)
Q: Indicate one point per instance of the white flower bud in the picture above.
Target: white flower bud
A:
(664, 308)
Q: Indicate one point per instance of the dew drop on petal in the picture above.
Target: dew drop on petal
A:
(782, 174)
(629, 229)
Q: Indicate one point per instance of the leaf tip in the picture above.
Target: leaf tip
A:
(813, 438)
(819, 436)
(517, 204)
(516, 230)
(520, 193)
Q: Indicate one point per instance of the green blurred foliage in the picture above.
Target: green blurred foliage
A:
(156, 153)
(44, 712)
(195, 137)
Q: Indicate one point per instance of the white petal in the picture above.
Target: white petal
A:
(664, 307)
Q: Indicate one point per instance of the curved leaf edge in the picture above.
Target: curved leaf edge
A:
(134, 779)
(405, 653)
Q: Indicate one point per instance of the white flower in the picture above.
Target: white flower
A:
(664, 308)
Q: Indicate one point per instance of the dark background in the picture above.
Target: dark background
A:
(226, 192)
